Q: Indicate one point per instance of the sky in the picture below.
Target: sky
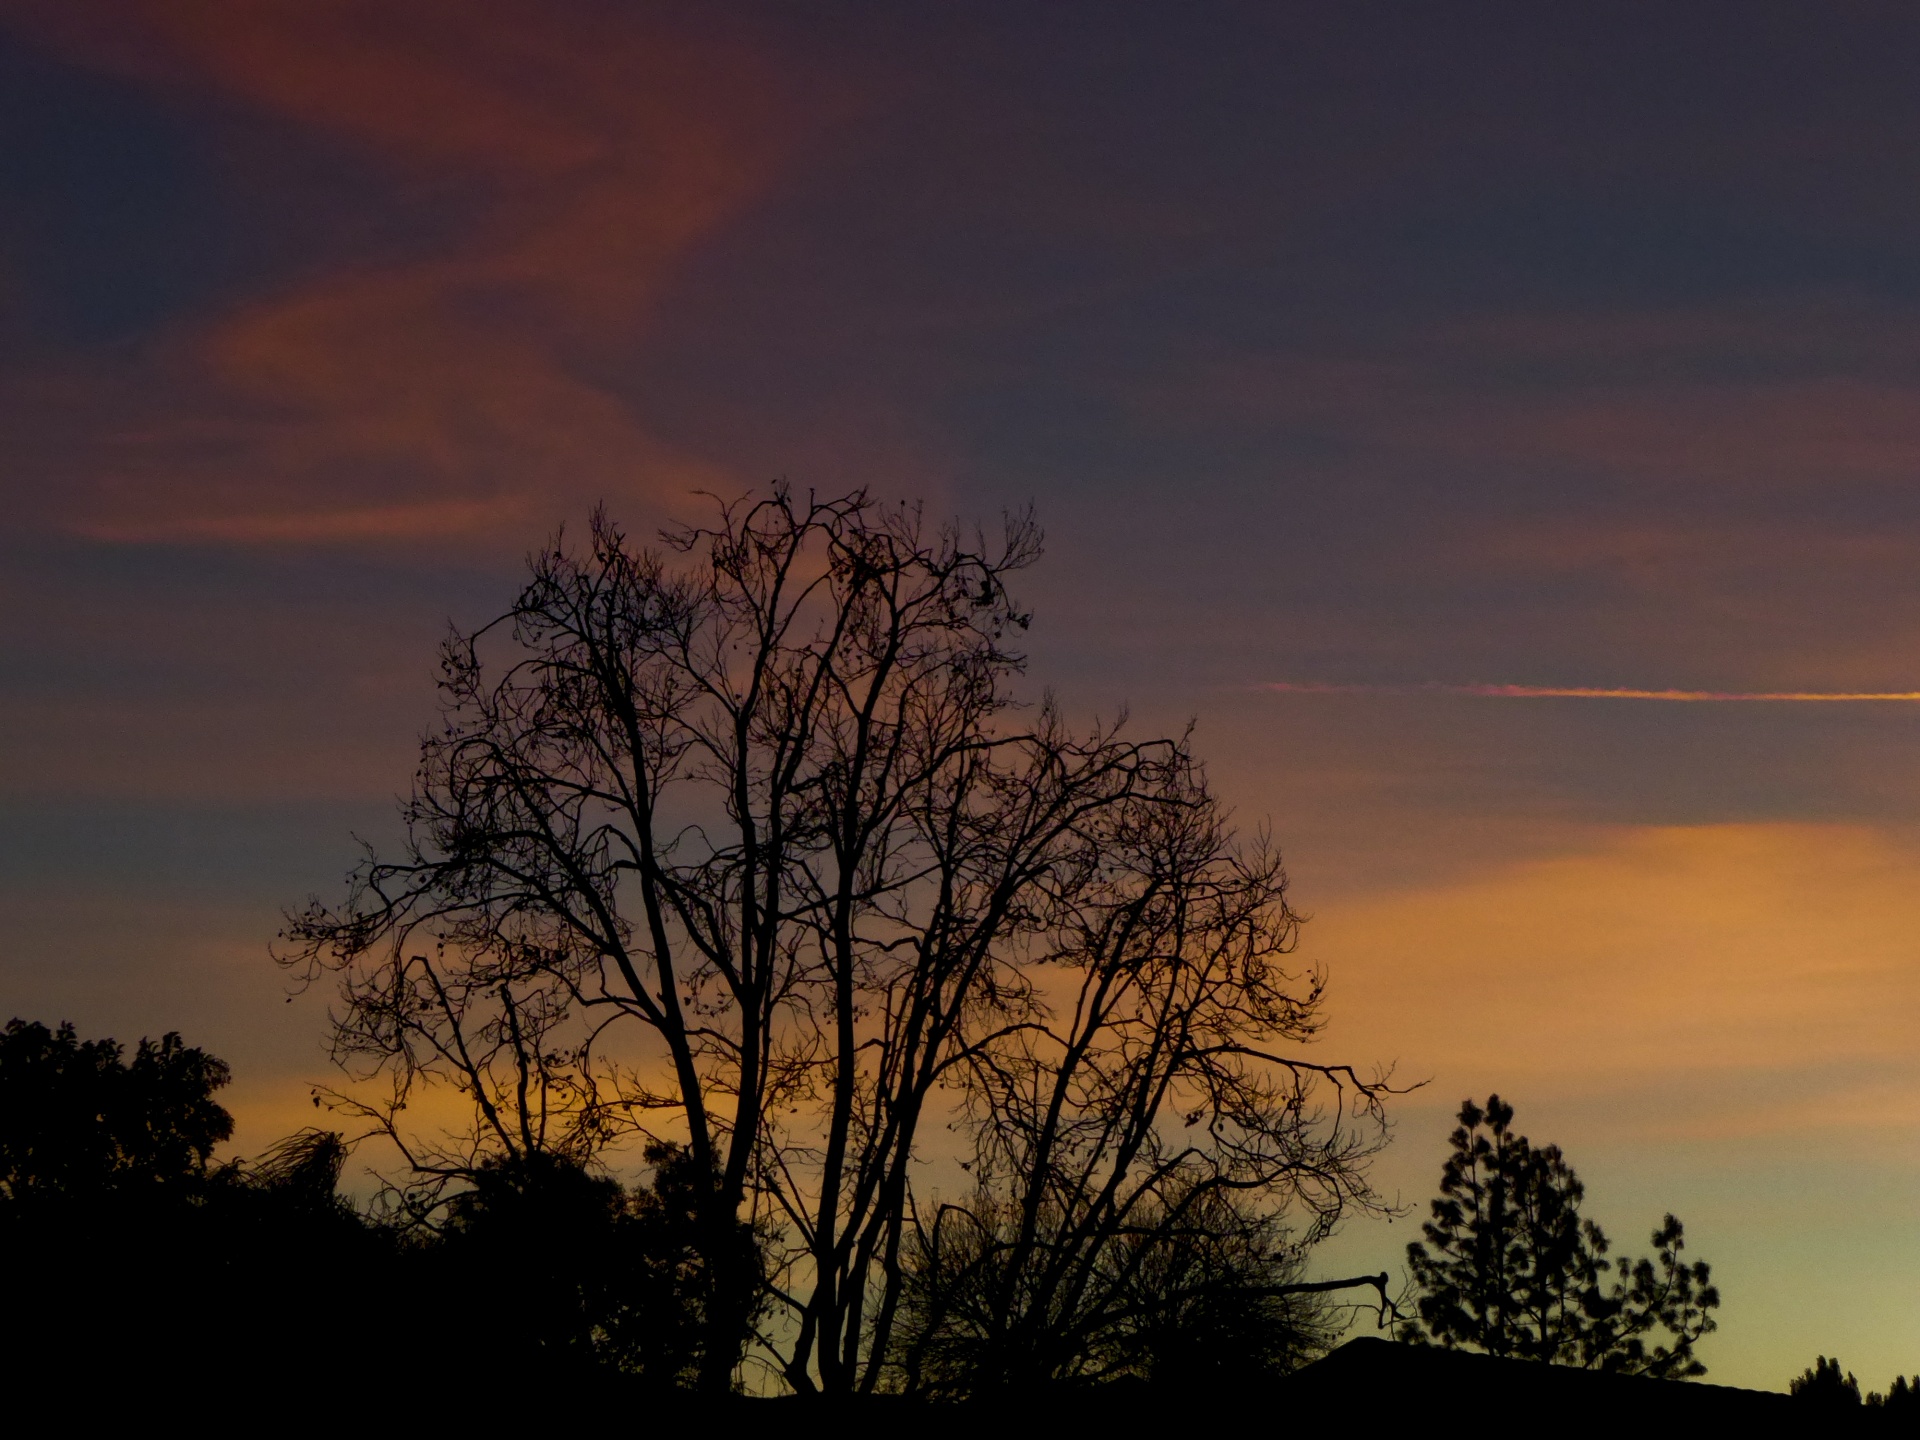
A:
(1372, 369)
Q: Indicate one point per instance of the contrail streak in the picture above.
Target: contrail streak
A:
(1595, 692)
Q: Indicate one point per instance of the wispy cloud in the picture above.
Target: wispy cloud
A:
(461, 381)
(1593, 692)
(1750, 949)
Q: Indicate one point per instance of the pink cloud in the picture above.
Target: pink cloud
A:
(446, 393)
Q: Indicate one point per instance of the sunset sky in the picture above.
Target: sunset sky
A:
(1392, 381)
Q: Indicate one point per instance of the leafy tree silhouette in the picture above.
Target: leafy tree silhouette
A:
(78, 1122)
(125, 1240)
(581, 1274)
(1511, 1267)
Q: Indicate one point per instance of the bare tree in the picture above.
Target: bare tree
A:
(1152, 1153)
(762, 801)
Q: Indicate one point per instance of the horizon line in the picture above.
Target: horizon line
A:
(1593, 692)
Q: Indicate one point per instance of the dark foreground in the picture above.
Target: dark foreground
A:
(1416, 1384)
(1366, 1384)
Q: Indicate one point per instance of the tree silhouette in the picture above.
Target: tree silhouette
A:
(580, 1273)
(124, 1240)
(1509, 1265)
(1824, 1385)
(119, 1229)
(1150, 1169)
(1903, 1396)
(1205, 1293)
(742, 843)
(78, 1121)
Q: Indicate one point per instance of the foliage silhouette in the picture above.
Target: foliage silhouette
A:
(1902, 1397)
(78, 1121)
(125, 1241)
(1824, 1385)
(1509, 1265)
(123, 1238)
(580, 1274)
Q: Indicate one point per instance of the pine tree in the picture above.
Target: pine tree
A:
(1827, 1385)
(1511, 1267)
(1903, 1396)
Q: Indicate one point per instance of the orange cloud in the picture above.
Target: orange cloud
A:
(1660, 954)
